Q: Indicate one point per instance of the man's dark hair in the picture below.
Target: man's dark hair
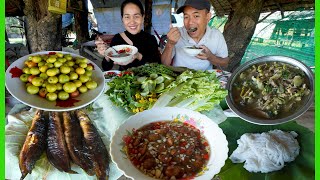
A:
(136, 2)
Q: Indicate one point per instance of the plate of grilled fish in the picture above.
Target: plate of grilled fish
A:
(56, 145)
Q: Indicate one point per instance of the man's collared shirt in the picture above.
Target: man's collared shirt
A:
(213, 39)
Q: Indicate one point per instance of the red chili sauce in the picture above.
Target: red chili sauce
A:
(66, 103)
(15, 72)
(168, 150)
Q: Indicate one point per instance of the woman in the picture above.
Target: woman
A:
(132, 14)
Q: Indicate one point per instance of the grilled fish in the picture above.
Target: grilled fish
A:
(34, 144)
(75, 144)
(97, 149)
(57, 152)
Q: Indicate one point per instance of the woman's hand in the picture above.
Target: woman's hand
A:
(101, 46)
(137, 56)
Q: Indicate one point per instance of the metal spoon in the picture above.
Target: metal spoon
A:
(115, 50)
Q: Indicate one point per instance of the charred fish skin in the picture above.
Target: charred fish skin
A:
(57, 152)
(74, 140)
(97, 149)
(34, 144)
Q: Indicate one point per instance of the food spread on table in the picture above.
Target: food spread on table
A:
(34, 144)
(266, 152)
(57, 76)
(108, 75)
(167, 149)
(163, 150)
(271, 90)
(156, 85)
(60, 81)
(52, 133)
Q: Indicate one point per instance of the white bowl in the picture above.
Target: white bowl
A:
(131, 50)
(18, 90)
(211, 131)
(192, 52)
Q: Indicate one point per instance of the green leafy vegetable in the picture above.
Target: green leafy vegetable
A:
(155, 85)
(122, 90)
(195, 90)
(153, 68)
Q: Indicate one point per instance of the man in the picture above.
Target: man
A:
(197, 33)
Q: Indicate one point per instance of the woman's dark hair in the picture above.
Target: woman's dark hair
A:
(135, 2)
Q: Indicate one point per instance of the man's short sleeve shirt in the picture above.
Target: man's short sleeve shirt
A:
(213, 39)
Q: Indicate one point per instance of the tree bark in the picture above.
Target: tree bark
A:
(240, 27)
(81, 22)
(148, 16)
(14, 8)
(43, 27)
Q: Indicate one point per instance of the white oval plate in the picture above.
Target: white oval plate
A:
(212, 132)
(223, 76)
(17, 88)
(116, 72)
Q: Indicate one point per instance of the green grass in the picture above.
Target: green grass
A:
(255, 50)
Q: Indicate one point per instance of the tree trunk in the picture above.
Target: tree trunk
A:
(240, 27)
(43, 27)
(81, 22)
(148, 16)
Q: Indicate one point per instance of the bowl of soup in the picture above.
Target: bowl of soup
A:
(121, 53)
(169, 142)
(192, 50)
(271, 90)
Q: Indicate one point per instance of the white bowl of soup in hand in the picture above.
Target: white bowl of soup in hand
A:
(121, 53)
(192, 50)
(169, 143)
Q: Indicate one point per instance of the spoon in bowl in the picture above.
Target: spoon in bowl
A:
(118, 52)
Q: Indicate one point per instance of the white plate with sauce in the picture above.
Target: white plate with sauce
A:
(211, 131)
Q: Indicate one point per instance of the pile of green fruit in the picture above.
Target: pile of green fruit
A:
(57, 76)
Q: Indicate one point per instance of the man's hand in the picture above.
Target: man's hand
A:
(173, 36)
(205, 54)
